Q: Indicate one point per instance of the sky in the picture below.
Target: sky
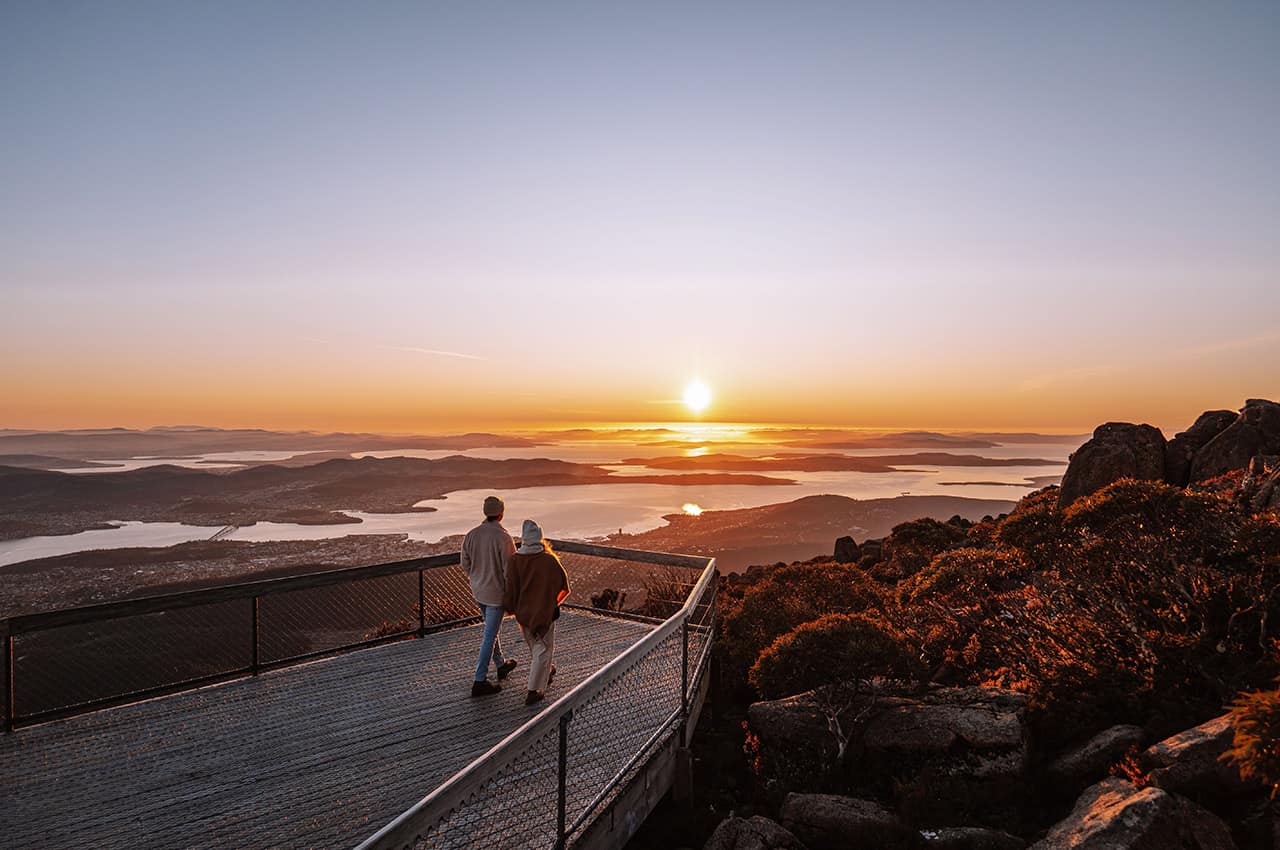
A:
(440, 216)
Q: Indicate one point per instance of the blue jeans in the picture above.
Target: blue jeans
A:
(490, 646)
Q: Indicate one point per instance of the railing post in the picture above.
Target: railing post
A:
(562, 792)
(422, 602)
(253, 667)
(9, 700)
(684, 683)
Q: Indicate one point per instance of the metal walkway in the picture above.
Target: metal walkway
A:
(316, 755)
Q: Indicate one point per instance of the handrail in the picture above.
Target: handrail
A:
(23, 623)
(403, 831)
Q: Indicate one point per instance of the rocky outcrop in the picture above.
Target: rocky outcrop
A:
(847, 551)
(756, 833)
(1088, 762)
(970, 838)
(1191, 761)
(1181, 450)
(1117, 450)
(830, 822)
(1256, 431)
(943, 753)
(1116, 815)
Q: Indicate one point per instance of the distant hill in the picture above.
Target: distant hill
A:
(185, 441)
(39, 502)
(800, 529)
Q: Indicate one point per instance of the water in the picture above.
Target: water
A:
(582, 510)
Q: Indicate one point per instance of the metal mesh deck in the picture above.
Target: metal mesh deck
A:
(318, 755)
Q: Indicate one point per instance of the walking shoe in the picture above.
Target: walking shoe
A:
(505, 670)
(483, 689)
(534, 696)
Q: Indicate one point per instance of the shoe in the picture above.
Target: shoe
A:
(534, 696)
(552, 675)
(505, 670)
(483, 689)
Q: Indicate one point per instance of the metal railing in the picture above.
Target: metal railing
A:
(62, 663)
(543, 784)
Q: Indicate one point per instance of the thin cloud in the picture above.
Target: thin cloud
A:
(434, 352)
(1233, 344)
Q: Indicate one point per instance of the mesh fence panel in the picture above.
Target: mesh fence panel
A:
(318, 619)
(447, 596)
(612, 727)
(516, 808)
(647, 589)
(68, 666)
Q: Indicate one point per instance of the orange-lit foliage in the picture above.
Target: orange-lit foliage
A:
(1140, 603)
(1256, 745)
(790, 597)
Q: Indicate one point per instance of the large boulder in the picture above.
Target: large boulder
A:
(830, 822)
(1182, 449)
(1191, 761)
(847, 551)
(1117, 450)
(794, 743)
(946, 754)
(971, 838)
(1256, 431)
(1083, 764)
(1116, 815)
(756, 833)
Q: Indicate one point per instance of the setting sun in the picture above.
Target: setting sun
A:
(697, 396)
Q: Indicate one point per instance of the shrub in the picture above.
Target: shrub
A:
(911, 545)
(1255, 749)
(787, 598)
(836, 657)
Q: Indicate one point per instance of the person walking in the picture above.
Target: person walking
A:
(485, 551)
(536, 585)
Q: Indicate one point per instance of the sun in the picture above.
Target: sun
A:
(697, 396)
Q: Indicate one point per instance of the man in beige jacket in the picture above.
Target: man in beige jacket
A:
(485, 551)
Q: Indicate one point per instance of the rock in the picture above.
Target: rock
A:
(847, 550)
(1078, 767)
(971, 838)
(1267, 495)
(1183, 447)
(756, 833)
(1255, 431)
(795, 744)
(829, 822)
(1190, 762)
(1117, 450)
(945, 753)
(1115, 815)
(978, 732)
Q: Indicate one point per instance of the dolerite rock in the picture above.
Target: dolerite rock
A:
(1256, 431)
(1268, 495)
(971, 838)
(1183, 447)
(829, 822)
(947, 755)
(1088, 762)
(847, 550)
(794, 742)
(756, 833)
(1115, 815)
(950, 755)
(1191, 761)
(979, 733)
(1117, 450)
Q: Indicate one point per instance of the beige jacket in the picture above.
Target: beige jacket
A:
(485, 551)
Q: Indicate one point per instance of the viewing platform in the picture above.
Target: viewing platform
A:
(334, 710)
